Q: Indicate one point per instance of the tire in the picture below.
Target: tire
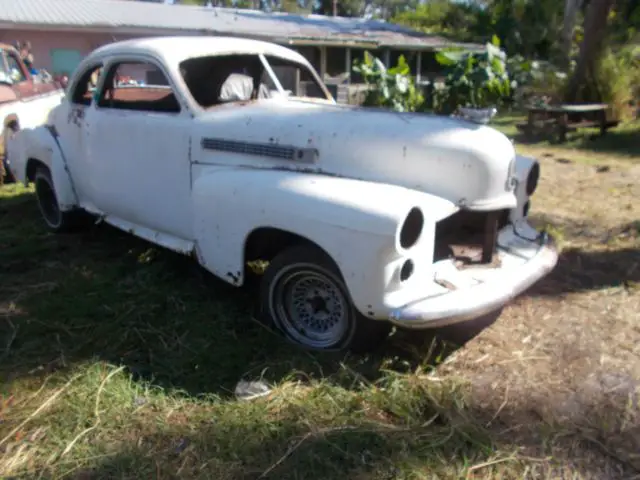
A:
(307, 273)
(56, 220)
(6, 175)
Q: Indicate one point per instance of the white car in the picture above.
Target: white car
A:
(233, 150)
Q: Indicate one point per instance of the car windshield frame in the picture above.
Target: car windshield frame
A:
(276, 81)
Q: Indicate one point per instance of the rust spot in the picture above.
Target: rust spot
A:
(445, 284)
(469, 238)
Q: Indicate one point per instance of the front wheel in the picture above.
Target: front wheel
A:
(57, 220)
(305, 297)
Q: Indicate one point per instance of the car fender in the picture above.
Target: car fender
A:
(356, 222)
(522, 168)
(39, 144)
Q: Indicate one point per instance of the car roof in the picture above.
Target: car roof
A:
(174, 50)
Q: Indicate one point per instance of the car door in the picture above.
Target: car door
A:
(71, 129)
(137, 145)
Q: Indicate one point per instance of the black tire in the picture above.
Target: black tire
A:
(306, 271)
(6, 175)
(56, 220)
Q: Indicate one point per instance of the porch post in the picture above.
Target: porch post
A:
(347, 65)
(323, 62)
(386, 57)
(418, 66)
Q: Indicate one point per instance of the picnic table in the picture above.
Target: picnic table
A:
(561, 118)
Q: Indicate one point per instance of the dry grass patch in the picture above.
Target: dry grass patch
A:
(564, 359)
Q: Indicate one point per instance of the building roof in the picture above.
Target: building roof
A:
(119, 15)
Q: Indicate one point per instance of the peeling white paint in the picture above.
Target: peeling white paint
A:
(151, 174)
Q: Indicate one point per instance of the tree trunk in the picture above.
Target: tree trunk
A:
(595, 26)
(571, 8)
(335, 8)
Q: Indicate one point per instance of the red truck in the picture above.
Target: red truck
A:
(25, 101)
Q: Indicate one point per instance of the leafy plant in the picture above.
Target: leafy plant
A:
(390, 88)
(534, 81)
(617, 81)
(474, 79)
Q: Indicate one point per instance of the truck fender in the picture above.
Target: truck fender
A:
(38, 145)
(357, 223)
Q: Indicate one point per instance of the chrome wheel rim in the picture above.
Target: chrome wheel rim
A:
(311, 306)
(48, 203)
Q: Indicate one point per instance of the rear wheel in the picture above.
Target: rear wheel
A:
(6, 175)
(305, 297)
(56, 220)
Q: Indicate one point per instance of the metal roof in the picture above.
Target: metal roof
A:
(118, 15)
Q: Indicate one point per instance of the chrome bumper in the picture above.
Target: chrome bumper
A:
(475, 301)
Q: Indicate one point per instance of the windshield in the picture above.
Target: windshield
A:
(218, 79)
(5, 74)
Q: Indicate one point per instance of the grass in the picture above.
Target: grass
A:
(119, 360)
(622, 141)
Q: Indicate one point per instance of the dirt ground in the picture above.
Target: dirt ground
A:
(567, 353)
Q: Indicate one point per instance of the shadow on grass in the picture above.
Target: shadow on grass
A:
(437, 437)
(579, 271)
(623, 140)
(105, 294)
(290, 452)
(609, 265)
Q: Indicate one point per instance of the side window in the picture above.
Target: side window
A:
(86, 86)
(138, 86)
(15, 69)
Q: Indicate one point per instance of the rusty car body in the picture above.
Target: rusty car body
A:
(25, 101)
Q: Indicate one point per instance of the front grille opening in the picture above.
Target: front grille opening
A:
(470, 237)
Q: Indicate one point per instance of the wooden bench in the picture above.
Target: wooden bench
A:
(557, 119)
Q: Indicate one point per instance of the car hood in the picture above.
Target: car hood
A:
(469, 164)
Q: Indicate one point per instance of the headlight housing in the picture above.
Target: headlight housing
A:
(411, 228)
(532, 178)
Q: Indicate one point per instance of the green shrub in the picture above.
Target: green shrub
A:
(535, 82)
(473, 79)
(392, 88)
(617, 81)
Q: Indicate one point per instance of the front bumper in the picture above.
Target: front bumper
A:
(469, 302)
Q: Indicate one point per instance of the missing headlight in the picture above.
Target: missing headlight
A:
(532, 179)
(411, 228)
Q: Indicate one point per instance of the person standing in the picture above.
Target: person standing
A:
(27, 56)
